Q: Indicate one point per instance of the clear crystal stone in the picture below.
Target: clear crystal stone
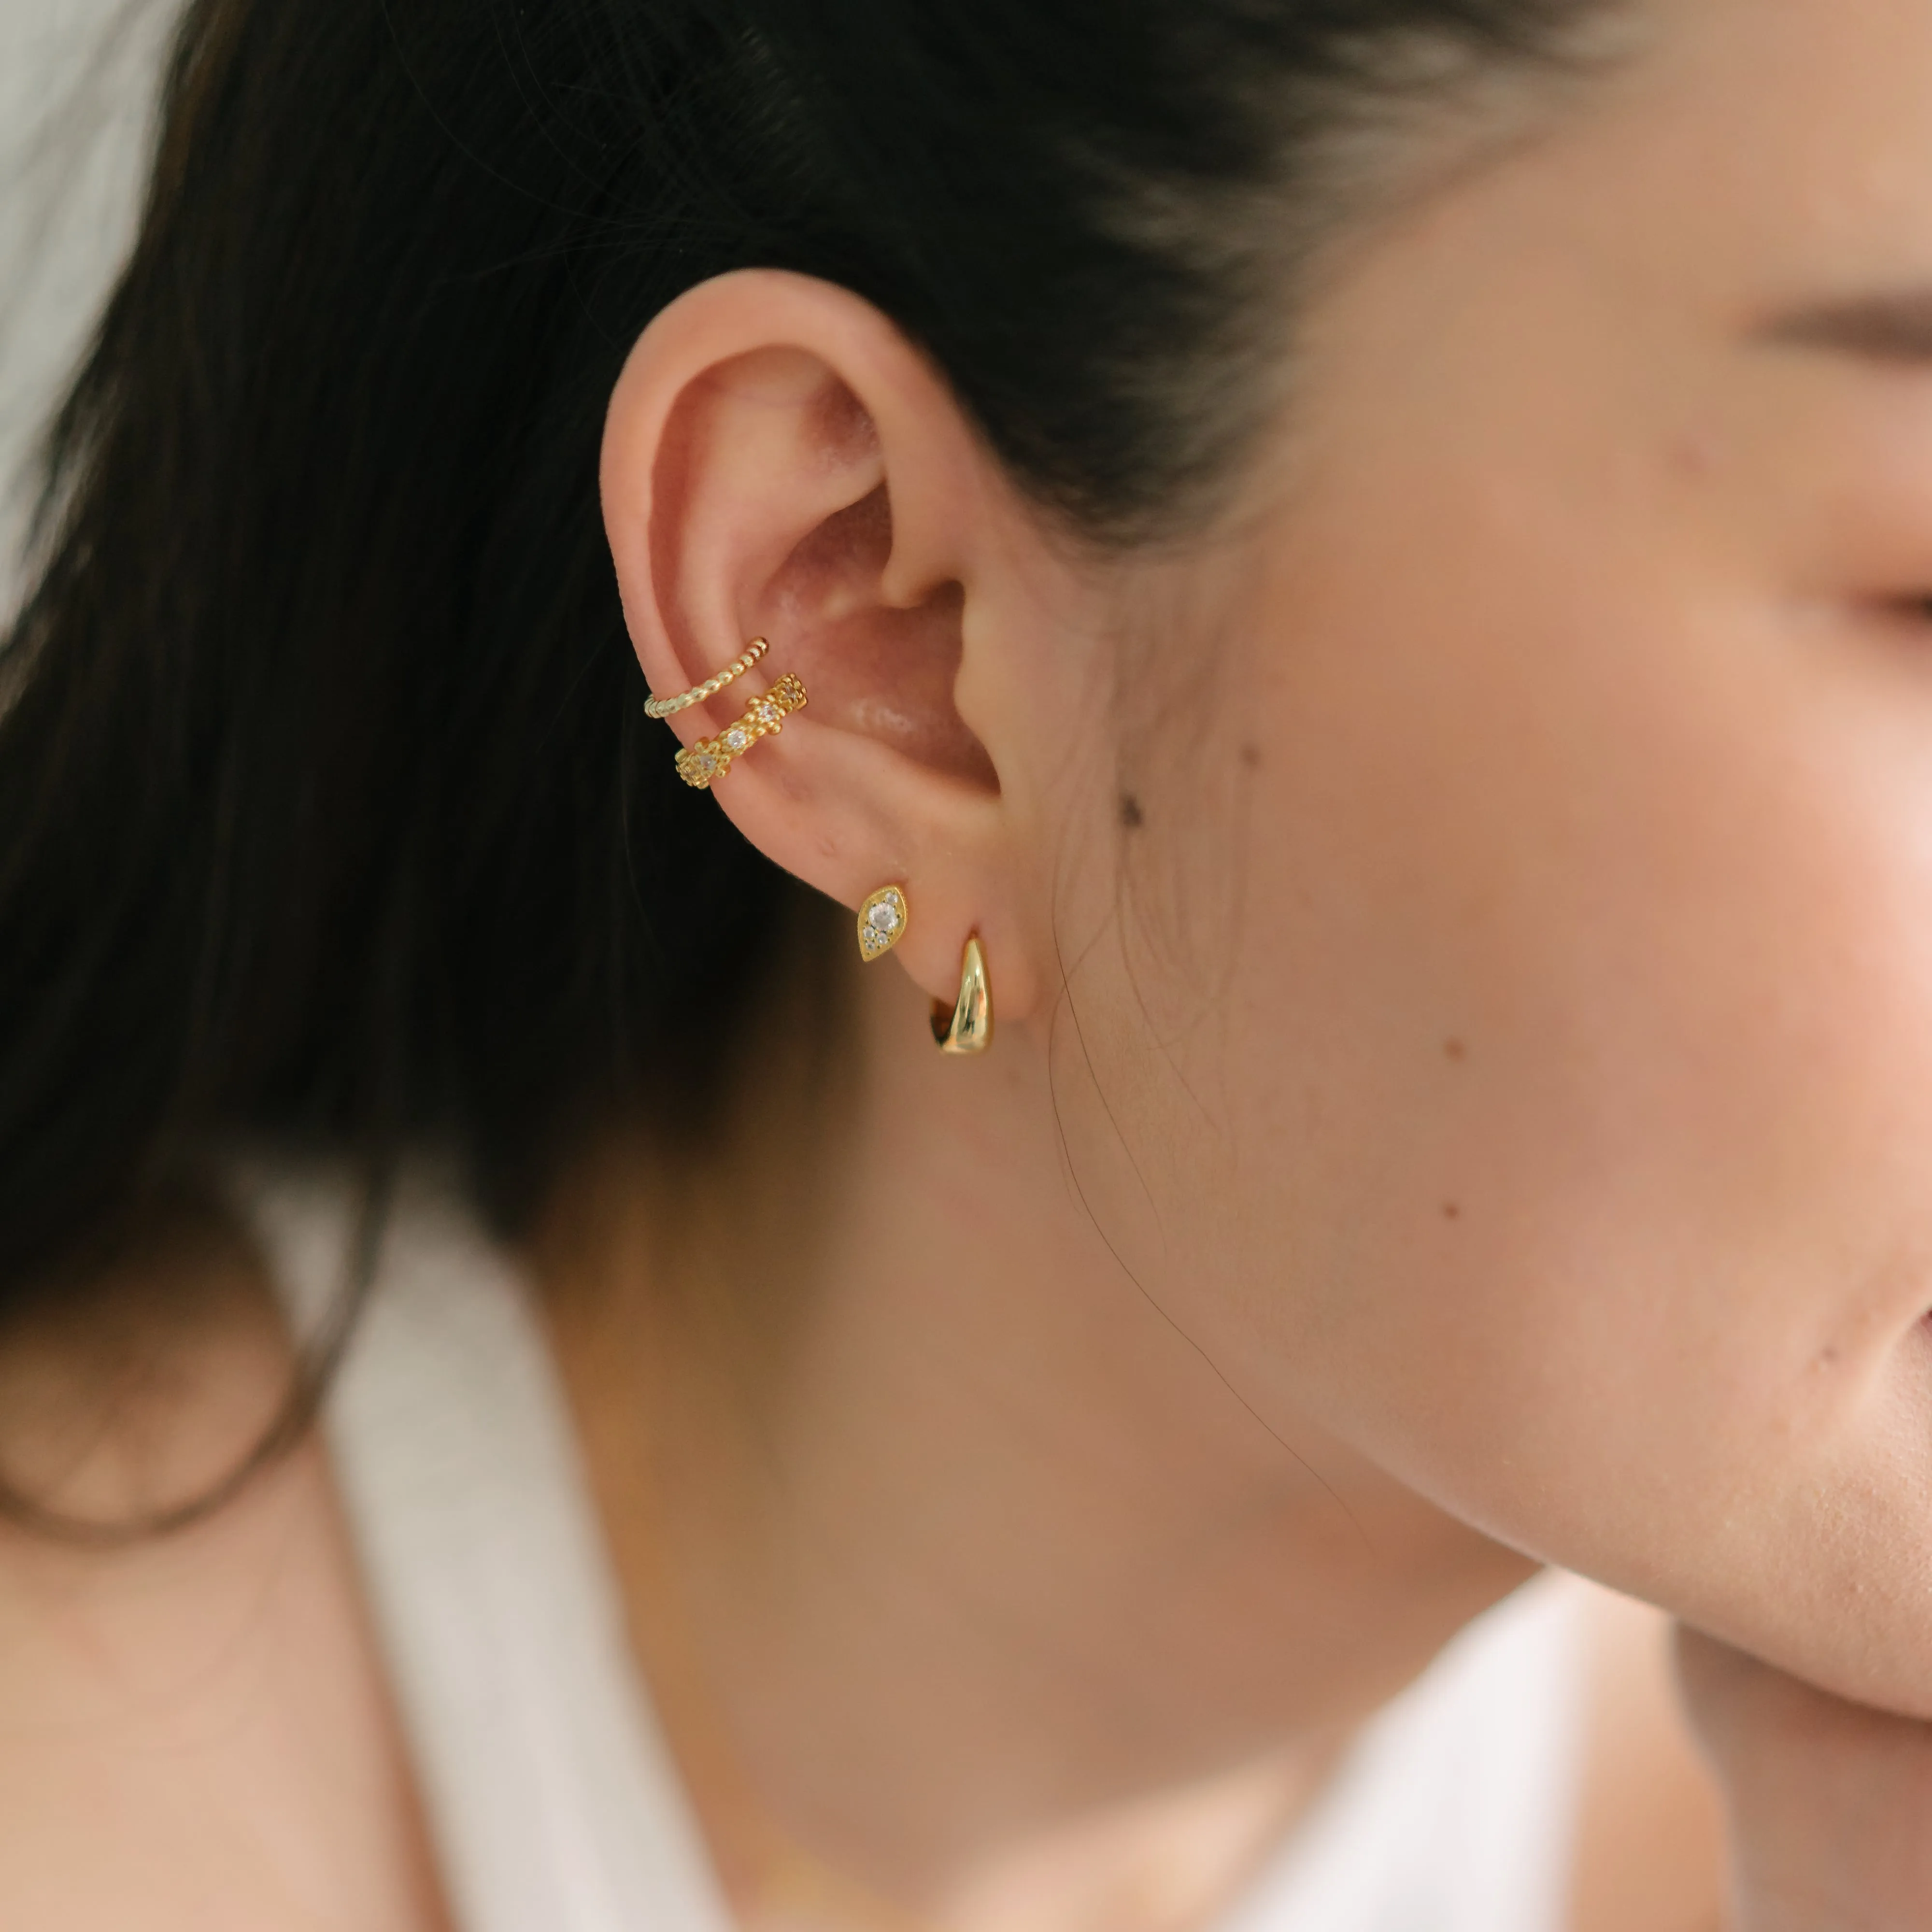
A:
(883, 918)
(736, 739)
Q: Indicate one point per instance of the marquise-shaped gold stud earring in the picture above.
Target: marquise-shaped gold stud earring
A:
(882, 922)
(967, 1026)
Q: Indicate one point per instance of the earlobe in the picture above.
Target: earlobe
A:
(779, 463)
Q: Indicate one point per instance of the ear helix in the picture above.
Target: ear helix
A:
(703, 763)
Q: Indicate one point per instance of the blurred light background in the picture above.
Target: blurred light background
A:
(76, 76)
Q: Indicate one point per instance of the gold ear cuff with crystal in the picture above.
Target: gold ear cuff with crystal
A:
(704, 763)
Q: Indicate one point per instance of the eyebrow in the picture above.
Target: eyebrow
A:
(1894, 327)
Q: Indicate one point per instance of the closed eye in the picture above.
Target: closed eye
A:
(1891, 328)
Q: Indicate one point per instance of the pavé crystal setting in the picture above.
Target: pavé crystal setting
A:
(882, 922)
(704, 762)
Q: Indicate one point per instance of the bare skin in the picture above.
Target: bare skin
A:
(1829, 1799)
(960, 1507)
(1462, 934)
(909, 1530)
(196, 1734)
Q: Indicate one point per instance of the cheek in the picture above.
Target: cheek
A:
(1585, 973)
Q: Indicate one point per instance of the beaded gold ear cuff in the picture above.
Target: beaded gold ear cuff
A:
(665, 707)
(704, 763)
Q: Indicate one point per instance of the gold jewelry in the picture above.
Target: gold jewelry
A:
(704, 763)
(882, 922)
(968, 1026)
(663, 707)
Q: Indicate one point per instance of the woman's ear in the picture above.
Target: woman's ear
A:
(778, 461)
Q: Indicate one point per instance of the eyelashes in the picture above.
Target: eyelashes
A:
(1912, 609)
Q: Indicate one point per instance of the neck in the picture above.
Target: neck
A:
(948, 1556)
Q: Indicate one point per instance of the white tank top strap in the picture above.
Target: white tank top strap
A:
(553, 1803)
(552, 1800)
(1454, 1811)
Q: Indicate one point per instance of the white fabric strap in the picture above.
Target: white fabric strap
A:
(552, 1800)
(1454, 1811)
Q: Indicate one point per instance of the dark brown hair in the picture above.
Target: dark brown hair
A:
(328, 818)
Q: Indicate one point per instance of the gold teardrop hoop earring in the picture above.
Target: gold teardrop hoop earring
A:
(704, 763)
(967, 1026)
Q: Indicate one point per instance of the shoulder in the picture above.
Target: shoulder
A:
(194, 1728)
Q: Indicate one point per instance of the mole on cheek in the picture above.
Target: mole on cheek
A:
(1692, 457)
(1251, 757)
(1452, 1211)
(1131, 815)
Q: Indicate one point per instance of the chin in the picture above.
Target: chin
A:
(1846, 1605)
